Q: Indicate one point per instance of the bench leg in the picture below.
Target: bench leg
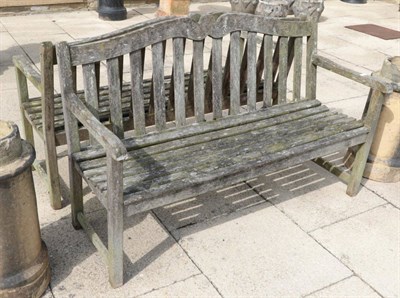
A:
(22, 87)
(53, 177)
(115, 220)
(75, 181)
(370, 117)
(358, 169)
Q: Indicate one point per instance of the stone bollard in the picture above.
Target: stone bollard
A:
(384, 158)
(24, 262)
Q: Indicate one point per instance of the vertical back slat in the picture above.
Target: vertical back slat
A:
(283, 69)
(268, 69)
(114, 83)
(298, 53)
(226, 80)
(235, 73)
(243, 68)
(158, 85)
(311, 69)
(251, 71)
(198, 80)
(90, 88)
(216, 77)
(121, 70)
(179, 81)
(260, 67)
(136, 70)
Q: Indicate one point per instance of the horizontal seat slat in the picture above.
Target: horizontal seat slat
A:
(198, 128)
(156, 169)
(223, 136)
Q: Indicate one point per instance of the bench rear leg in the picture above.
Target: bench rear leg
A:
(23, 95)
(370, 117)
(115, 222)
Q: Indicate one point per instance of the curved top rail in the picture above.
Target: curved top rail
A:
(215, 25)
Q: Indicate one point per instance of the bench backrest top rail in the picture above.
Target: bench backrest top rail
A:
(214, 25)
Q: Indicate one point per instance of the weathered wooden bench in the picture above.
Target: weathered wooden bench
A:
(245, 133)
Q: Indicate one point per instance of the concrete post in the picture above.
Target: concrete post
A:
(384, 158)
(24, 262)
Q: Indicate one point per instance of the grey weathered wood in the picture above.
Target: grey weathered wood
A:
(298, 54)
(46, 68)
(365, 79)
(216, 151)
(251, 71)
(311, 69)
(158, 86)
(114, 82)
(191, 130)
(216, 77)
(184, 27)
(179, 82)
(235, 73)
(115, 222)
(136, 64)
(268, 71)
(283, 69)
(68, 86)
(198, 80)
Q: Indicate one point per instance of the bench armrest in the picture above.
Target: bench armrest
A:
(111, 143)
(380, 84)
(29, 70)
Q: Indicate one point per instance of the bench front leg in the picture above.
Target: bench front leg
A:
(370, 120)
(115, 221)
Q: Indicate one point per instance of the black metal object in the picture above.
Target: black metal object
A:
(355, 1)
(113, 10)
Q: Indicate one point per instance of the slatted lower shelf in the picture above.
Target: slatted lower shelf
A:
(176, 165)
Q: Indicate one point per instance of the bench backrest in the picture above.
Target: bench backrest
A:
(239, 73)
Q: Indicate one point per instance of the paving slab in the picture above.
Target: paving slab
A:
(208, 206)
(333, 87)
(259, 252)
(152, 258)
(8, 48)
(347, 288)
(352, 107)
(388, 191)
(2, 28)
(313, 197)
(369, 244)
(196, 286)
(8, 103)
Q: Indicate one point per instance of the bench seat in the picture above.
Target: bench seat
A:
(175, 168)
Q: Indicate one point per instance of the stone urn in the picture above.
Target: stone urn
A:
(273, 9)
(246, 6)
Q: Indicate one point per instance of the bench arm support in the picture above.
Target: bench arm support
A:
(29, 70)
(111, 143)
(379, 84)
